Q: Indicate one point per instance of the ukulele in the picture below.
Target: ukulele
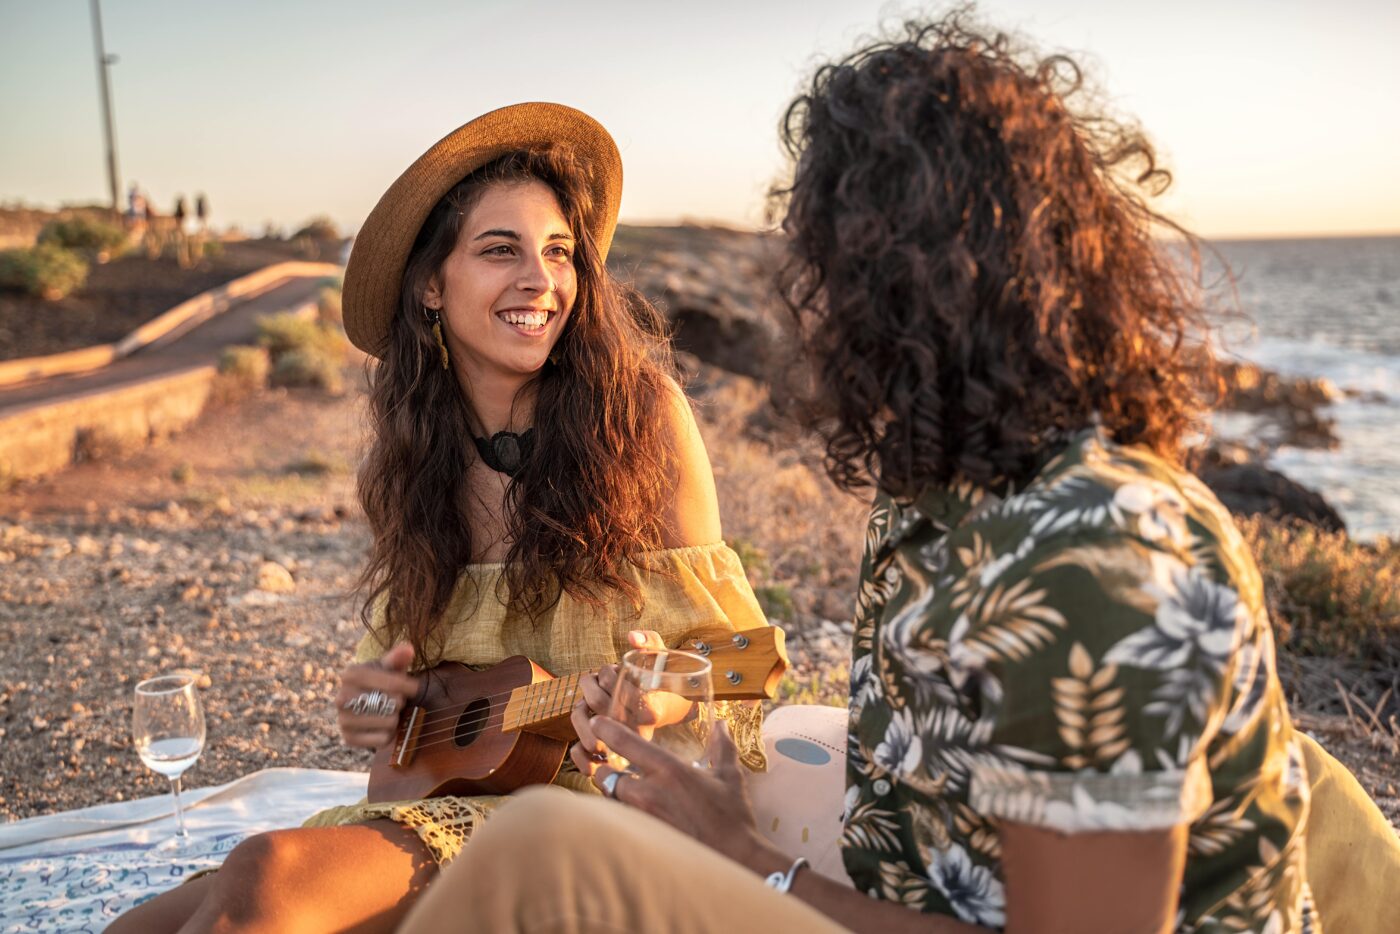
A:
(491, 732)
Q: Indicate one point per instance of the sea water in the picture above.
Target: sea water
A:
(1330, 308)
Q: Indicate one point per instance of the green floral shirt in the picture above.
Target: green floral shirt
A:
(1090, 653)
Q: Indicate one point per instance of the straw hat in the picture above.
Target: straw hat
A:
(374, 273)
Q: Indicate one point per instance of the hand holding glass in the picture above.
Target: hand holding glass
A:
(653, 685)
(168, 725)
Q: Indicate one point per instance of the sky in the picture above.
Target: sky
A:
(1277, 118)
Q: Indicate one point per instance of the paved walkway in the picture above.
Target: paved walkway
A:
(199, 346)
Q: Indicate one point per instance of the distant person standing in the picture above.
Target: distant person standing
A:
(201, 227)
(180, 234)
(135, 208)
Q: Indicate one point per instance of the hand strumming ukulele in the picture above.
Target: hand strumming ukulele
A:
(491, 732)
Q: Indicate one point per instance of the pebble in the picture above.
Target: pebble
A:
(274, 578)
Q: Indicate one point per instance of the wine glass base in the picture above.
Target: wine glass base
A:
(175, 845)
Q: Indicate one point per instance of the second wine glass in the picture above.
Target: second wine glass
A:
(665, 686)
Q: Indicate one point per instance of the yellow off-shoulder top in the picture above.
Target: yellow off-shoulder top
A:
(682, 590)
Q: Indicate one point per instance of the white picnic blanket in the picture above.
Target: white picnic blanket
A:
(77, 870)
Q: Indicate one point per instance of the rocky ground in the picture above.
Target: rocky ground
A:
(232, 549)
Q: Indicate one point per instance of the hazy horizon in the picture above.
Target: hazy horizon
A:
(1273, 117)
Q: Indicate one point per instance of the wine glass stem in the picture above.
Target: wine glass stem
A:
(180, 830)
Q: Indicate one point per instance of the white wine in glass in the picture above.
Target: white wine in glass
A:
(168, 725)
(663, 685)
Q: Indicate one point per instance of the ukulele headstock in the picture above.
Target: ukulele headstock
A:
(746, 665)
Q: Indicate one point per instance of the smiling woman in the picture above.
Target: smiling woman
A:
(535, 486)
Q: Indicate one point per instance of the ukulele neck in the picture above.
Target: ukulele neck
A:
(544, 707)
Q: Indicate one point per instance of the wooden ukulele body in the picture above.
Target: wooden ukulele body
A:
(459, 746)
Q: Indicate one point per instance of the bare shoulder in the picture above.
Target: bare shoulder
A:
(691, 516)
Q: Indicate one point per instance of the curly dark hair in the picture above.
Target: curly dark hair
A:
(589, 495)
(972, 264)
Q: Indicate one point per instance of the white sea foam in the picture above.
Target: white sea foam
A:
(1330, 308)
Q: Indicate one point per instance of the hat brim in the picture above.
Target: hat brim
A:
(374, 272)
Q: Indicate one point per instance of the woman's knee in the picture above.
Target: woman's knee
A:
(256, 880)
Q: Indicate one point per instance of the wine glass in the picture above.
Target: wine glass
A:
(168, 724)
(654, 684)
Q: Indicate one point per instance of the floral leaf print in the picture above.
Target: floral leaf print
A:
(872, 828)
(1220, 827)
(1154, 511)
(974, 891)
(1191, 641)
(981, 833)
(900, 885)
(1011, 622)
(902, 749)
(1089, 712)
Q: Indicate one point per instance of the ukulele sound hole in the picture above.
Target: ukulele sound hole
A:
(472, 722)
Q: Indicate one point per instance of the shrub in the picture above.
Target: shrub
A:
(314, 463)
(244, 369)
(46, 270)
(308, 368)
(328, 305)
(304, 351)
(282, 334)
(776, 601)
(1327, 594)
(319, 227)
(85, 234)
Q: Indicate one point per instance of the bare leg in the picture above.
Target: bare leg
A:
(359, 877)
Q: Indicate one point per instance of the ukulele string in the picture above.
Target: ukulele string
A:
(456, 726)
(461, 725)
(429, 711)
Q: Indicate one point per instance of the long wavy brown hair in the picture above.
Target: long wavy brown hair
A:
(973, 264)
(589, 495)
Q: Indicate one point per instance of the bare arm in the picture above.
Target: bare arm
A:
(691, 515)
(1106, 881)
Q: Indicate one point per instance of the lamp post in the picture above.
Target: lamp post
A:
(104, 62)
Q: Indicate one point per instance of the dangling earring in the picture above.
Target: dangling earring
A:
(436, 319)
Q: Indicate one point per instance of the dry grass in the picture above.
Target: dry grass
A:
(799, 536)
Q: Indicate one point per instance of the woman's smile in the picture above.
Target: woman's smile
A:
(527, 321)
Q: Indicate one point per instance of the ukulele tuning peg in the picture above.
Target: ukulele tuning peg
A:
(740, 641)
(733, 676)
(702, 648)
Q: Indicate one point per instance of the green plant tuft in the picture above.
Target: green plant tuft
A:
(100, 239)
(243, 370)
(309, 368)
(45, 270)
(776, 601)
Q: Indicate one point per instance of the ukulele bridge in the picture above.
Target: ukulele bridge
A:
(408, 738)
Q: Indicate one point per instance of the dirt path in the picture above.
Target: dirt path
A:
(199, 346)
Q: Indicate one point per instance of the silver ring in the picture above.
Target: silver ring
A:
(372, 703)
(609, 783)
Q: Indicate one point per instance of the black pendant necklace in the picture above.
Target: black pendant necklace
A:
(507, 451)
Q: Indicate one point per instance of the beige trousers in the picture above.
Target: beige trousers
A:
(556, 863)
